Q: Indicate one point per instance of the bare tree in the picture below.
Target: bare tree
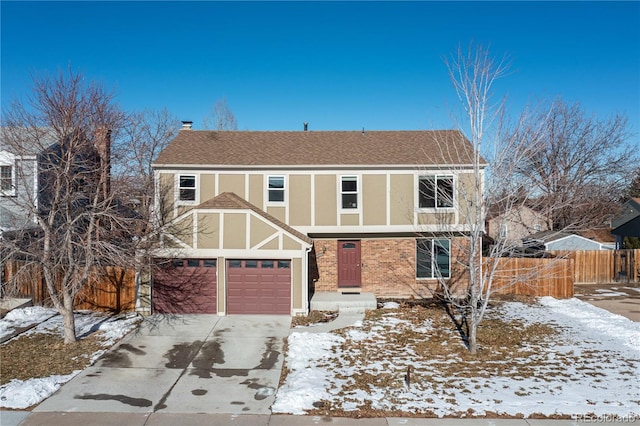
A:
(78, 224)
(144, 136)
(485, 176)
(221, 117)
(581, 165)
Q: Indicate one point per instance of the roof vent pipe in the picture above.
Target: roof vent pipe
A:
(306, 126)
(186, 125)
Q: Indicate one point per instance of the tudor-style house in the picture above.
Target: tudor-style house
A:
(257, 221)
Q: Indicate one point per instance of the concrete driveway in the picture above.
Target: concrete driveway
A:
(621, 299)
(184, 364)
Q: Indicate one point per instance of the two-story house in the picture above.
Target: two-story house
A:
(27, 156)
(259, 220)
(18, 184)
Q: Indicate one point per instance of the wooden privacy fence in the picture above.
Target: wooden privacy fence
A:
(604, 266)
(112, 289)
(533, 276)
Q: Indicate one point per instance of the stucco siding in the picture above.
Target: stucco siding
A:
(436, 218)
(184, 230)
(259, 231)
(374, 199)
(278, 212)
(207, 186)
(235, 231)
(256, 190)
(232, 183)
(222, 284)
(166, 191)
(325, 200)
(349, 219)
(208, 230)
(401, 199)
(299, 200)
(296, 274)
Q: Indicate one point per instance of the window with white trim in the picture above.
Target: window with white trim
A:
(433, 258)
(503, 231)
(276, 188)
(349, 192)
(6, 180)
(187, 187)
(435, 192)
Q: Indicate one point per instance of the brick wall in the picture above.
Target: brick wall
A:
(388, 268)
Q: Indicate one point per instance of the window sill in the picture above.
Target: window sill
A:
(435, 209)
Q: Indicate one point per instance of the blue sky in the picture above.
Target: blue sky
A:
(336, 65)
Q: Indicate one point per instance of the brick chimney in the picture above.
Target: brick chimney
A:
(103, 147)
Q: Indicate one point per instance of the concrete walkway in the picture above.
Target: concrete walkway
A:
(13, 418)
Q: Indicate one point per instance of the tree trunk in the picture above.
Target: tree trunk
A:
(473, 343)
(68, 319)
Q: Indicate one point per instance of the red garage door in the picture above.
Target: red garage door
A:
(184, 286)
(259, 287)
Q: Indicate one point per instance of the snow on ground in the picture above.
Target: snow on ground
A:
(592, 367)
(609, 293)
(19, 394)
(24, 318)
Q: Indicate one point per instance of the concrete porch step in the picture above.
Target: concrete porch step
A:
(334, 301)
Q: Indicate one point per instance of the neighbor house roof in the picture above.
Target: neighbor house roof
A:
(229, 200)
(630, 211)
(310, 148)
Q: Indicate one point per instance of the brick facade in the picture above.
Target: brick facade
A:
(388, 268)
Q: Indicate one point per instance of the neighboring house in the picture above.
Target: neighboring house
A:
(18, 185)
(267, 218)
(514, 224)
(23, 175)
(627, 223)
(556, 240)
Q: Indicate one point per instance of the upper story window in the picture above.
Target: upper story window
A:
(435, 192)
(349, 192)
(276, 189)
(187, 187)
(6, 180)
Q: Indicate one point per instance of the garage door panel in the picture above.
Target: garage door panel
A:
(184, 286)
(258, 287)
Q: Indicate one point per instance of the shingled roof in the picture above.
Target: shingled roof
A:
(324, 148)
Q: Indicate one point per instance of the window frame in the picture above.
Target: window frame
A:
(11, 191)
(179, 188)
(435, 179)
(434, 266)
(342, 193)
(283, 190)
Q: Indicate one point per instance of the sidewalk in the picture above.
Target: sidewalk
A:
(25, 418)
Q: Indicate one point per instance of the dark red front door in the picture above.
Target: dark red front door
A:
(349, 271)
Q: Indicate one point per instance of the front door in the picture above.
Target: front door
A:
(349, 271)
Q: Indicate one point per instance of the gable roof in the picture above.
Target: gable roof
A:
(325, 148)
(547, 237)
(231, 201)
